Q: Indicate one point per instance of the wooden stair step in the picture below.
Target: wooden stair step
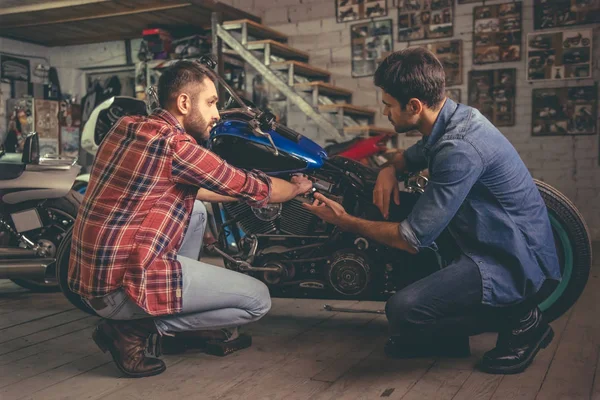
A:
(278, 49)
(302, 69)
(255, 29)
(324, 88)
(348, 109)
(368, 130)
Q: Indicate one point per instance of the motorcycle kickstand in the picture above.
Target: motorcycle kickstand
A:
(327, 307)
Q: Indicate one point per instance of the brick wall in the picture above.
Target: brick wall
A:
(568, 163)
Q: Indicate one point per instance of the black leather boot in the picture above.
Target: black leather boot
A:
(515, 349)
(452, 347)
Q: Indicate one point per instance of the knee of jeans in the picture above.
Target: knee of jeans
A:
(262, 300)
(199, 212)
(404, 308)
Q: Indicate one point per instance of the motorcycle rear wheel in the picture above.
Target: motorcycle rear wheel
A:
(68, 207)
(574, 249)
(62, 273)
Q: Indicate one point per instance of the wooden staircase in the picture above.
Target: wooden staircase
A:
(292, 66)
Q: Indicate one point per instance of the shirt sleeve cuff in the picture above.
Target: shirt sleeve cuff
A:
(407, 232)
(267, 181)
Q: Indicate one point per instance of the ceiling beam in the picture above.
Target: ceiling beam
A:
(140, 10)
(48, 5)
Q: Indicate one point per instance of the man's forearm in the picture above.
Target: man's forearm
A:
(382, 232)
(282, 191)
(397, 161)
(212, 197)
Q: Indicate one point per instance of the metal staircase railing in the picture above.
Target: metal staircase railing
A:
(324, 125)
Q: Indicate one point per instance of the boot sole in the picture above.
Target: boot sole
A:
(544, 342)
(104, 343)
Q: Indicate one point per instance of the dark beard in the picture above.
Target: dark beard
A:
(195, 125)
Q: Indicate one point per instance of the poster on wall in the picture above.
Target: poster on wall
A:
(454, 94)
(449, 53)
(69, 141)
(559, 55)
(424, 19)
(48, 146)
(353, 10)
(564, 111)
(371, 42)
(492, 92)
(565, 13)
(497, 33)
(46, 119)
(14, 69)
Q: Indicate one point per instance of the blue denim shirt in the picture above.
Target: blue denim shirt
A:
(480, 188)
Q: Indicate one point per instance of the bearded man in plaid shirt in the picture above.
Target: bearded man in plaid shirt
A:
(139, 230)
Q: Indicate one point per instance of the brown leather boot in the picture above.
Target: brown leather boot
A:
(126, 341)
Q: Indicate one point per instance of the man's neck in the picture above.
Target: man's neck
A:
(428, 118)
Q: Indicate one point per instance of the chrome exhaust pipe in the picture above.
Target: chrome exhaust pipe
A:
(15, 252)
(33, 268)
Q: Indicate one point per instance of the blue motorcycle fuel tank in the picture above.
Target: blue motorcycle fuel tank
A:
(234, 141)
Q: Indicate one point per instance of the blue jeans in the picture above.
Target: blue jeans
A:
(213, 297)
(447, 303)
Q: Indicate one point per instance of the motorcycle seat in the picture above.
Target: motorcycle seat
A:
(337, 148)
(11, 166)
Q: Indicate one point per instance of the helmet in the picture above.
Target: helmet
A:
(104, 117)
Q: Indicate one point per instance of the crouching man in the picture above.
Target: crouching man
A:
(136, 239)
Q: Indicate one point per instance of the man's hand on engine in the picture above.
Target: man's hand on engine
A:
(327, 209)
(302, 183)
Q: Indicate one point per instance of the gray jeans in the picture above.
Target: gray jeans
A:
(213, 297)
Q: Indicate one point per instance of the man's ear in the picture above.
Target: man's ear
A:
(184, 104)
(415, 106)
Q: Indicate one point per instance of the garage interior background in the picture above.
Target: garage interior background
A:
(571, 164)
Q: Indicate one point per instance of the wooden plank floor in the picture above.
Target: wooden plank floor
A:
(300, 351)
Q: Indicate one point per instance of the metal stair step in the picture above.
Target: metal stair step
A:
(368, 130)
(324, 89)
(348, 109)
(254, 29)
(271, 47)
(301, 69)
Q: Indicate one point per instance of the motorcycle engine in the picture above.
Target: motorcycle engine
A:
(289, 218)
(349, 272)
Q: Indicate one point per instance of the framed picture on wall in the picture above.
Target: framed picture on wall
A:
(454, 94)
(14, 69)
(354, 10)
(469, 1)
(564, 13)
(559, 55)
(371, 42)
(497, 33)
(564, 111)
(492, 92)
(425, 19)
(449, 53)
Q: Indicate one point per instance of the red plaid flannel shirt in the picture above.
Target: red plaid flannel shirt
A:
(137, 208)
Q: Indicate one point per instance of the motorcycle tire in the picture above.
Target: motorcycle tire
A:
(68, 204)
(574, 249)
(62, 274)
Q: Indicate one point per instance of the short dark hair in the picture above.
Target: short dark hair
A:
(175, 77)
(414, 72)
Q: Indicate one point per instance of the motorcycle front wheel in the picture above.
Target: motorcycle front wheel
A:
(574, 250)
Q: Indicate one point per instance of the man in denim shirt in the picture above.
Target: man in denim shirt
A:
(482, 193)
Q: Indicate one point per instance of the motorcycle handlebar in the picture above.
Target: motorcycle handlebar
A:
(288, 133)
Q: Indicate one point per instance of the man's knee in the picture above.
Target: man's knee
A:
(405, 308)
(199, 214)
(262, 300)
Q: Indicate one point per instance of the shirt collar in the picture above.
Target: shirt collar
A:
(166, 116)
(439, 127)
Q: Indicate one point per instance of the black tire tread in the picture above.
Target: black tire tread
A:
(580, 238)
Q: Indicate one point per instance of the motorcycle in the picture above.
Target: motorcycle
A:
(296, 254)
(37, 208)
(368, 151)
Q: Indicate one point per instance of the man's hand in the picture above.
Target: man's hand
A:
(385, 187)
(327, 209)
(302, 183)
